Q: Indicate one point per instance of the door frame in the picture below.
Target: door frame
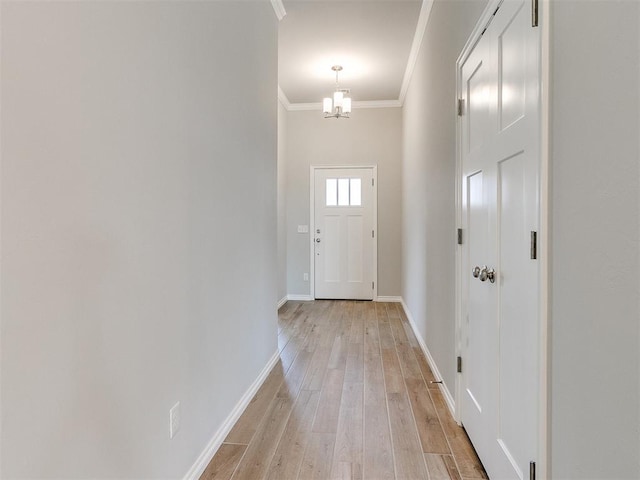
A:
(543, 462)
(312, 198)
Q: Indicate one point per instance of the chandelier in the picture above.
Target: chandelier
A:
(340, 105)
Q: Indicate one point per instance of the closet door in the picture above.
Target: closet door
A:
(500, 214)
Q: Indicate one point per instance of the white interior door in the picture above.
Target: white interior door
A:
(500, 210)
(343, 233)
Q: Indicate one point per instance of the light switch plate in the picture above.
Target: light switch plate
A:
(303, 228)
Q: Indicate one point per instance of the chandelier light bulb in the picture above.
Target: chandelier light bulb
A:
(327, 105)
(346, 105)
(337, 99)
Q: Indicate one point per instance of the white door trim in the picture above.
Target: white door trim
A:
(543, 461)
(312, 192)
(544, 467)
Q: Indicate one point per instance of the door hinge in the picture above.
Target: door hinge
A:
(460, 107)
(532, 470)
(373, 235)
(534, 245)
(372, 182)
(534, 13)
(459, 236)
(459, 364)
(373, 285)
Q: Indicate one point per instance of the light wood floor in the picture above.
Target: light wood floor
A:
(350, 398)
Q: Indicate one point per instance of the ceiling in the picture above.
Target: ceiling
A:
(370, 39)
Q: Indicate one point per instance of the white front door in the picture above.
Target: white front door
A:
(499, 80)
(343, 234)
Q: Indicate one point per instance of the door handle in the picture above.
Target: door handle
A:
(317, 240)
(475, 272)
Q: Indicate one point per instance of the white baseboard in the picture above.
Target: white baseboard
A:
(282, 301)
(381, 298)
(300, 298)
(214, 444)
(309, 298)
(432, 363)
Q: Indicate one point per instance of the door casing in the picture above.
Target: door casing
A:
(312, 193)
(543, 466)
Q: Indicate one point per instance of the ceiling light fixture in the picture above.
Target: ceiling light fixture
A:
(340, 105)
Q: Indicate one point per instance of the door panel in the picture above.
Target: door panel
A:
(355, 264)
(479, 94)
(343, 241)
(331, 260)
(476, 389)
(512, 69)
(513, 328)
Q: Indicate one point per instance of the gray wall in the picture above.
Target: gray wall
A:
(138, 171)
(369, 137)
(428, 181)
(595, 268)
(282, 202)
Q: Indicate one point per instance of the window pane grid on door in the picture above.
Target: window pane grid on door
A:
(332, 192)
(355, 192)
(343, 192)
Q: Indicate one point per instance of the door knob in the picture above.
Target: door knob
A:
(317, 240)
(475, 272)
(483, 274)
(487, 274)
(491, 275)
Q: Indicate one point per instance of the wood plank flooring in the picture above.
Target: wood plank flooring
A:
(350, 398)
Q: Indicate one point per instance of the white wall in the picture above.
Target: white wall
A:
(138, 175)
(369, 137)
(282, 202)
(595, 351)
(428, 181)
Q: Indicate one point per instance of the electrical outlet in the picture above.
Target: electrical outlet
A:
(305, 277)
(174, 420)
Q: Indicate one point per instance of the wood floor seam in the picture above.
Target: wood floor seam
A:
(411, 409)
(446, 437)
(405, 394)
(315, 414)
(386, 399)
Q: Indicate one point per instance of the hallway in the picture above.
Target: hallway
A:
(350, 398)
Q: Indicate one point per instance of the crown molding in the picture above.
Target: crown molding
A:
(298, 107)
(378, 104)
(278, 8)
(423, 19)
